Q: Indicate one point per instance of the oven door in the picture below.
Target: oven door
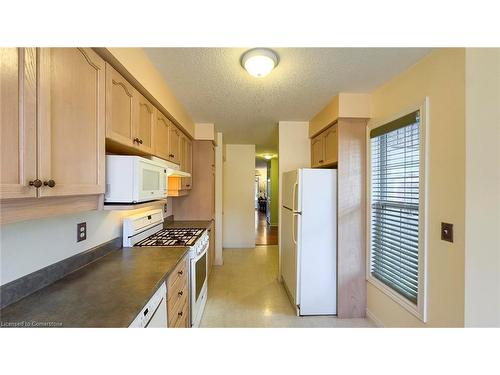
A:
(152, 181)
(198, 286)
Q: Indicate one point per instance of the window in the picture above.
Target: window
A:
(396, 257)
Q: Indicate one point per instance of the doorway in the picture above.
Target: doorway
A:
(265, 232)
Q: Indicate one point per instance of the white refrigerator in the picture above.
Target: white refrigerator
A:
(309, 240)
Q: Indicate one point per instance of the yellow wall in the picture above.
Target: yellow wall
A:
(138, 64)
(482, 247)
(441, 77)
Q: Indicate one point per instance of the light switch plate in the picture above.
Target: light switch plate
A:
(447, 232)
(81, 232)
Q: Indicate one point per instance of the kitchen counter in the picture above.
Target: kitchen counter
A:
(109, 292)
(187, 224)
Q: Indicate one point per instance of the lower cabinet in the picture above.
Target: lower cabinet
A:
(178, 296)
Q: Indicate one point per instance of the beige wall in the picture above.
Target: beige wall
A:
(138, 64)
(238, 198)
(482, 207)
(441, 77)
(31, 245)
(294, 152)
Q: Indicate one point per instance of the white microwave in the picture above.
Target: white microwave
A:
(133, 179)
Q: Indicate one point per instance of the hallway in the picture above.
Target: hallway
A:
(245, 292)
(265, 234)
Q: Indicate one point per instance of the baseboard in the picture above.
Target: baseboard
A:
(374, 319)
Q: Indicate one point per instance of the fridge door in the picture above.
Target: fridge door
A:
(318, 242)
(289, 252)
(290, 190)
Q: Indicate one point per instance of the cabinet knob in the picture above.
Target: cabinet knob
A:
(36, 183)
(140, 141)
(180, 293)
(136, 140)
(49, 183)
(179, 313)
(180, 272)
(321, 161)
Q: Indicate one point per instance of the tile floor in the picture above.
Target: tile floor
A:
(245, 292)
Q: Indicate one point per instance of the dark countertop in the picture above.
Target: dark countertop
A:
(187, 224)
(109, 292)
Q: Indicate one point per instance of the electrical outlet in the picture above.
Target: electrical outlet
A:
(81, 232)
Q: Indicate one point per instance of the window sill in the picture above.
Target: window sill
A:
(396, 297)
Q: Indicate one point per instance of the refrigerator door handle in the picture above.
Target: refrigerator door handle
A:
(294, 215)
(294, 190)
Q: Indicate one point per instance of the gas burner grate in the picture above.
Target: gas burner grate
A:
(172, 237)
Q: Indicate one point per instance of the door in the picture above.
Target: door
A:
(71, 114)
(330, 145)
(17, 122)
(174, 145)
(290, 190)
(162, 133)
(144, 123)
(289, 252)
(119, 108)
(317, 151)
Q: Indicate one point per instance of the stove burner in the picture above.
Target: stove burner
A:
(173, 237)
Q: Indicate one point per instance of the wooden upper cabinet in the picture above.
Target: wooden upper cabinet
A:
(330, 140)
(17, 122)
(71, 121)
(145, 123)
(161, 136)
(186, 161)
(119, 108)
(175, 144)
(317, 151)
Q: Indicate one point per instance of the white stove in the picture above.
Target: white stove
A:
(146, 230)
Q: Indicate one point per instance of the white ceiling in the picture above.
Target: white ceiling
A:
(213, 86)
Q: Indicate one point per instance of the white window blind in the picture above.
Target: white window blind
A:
(395, 166)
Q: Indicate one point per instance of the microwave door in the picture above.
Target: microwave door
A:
(151, 182)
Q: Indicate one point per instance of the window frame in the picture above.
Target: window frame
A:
(420, 308)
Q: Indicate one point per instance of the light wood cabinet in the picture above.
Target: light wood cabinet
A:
(119, 108)
(186, 161)
(175, 144)
(17, 122)
(178, 296)
(71, 116)
(144, 124)
(317, 151)
(161, 136)
(324, 148)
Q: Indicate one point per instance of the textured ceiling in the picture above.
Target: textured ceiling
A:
(213, 86)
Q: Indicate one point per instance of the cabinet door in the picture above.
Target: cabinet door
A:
(186, 161)
(330, 145)
(145, 119)
(174, 144)
(119, 108)
(71, 115)
(317, 151)
(17, 122)
(161, 136)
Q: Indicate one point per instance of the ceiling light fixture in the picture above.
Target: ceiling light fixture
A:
(268, 157)
(259, 62)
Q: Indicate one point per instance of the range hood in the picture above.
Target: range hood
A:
(173, 170)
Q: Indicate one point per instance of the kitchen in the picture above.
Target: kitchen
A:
(127, 190)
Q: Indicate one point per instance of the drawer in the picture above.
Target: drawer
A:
(178, 274)
(177, 312)
(183, 321)
(177, 292)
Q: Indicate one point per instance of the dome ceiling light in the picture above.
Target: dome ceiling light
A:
(259, 62)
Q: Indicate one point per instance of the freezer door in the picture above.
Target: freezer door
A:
(289, 252)
(290, 190)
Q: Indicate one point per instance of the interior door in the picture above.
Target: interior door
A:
(289, 252)
(17, 122)
(71, 115)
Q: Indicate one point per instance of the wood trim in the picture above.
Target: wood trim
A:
(351, 218)
(14, 210)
